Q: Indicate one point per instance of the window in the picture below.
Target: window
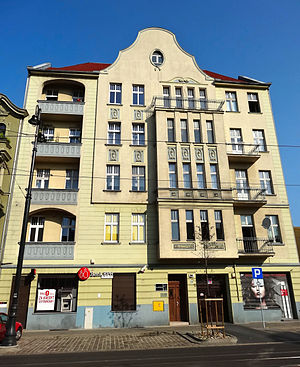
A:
(172, 175)
(157, 58)
(112, 177)
(114, 133)
(204, 226)
(123, 292)
(191, 98)
(51, 94)
(210, 132)
(42, 178)
(64, 289)
(197, 132)
(259, 140)
(266, 182)
(71, 179)
(36, 229)
(242, 185)
(189, 219)
(138, 228)
(200, 175)
(166, 97)
(178, 94)
(236, 141)
(231, 102)
(253, 102)
(214, 176)
(274, 230)
(203, 101)
(161, 287)
(78, 95)
(2, 130)
(115, 93)
(187, 182)
(138, 178)
(171, 130)
(48, 133)
(175, 225)
(138, 134)
(138, 95)
(111, 227)
(75, 135)
(184, 131)
(219, 225)
(68, 229)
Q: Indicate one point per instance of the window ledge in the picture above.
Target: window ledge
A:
(277, 244)
(137, 243)
(256, 113)
(137, 105)
(270, 194)
(114, 104)
(111, 243)
(113, 145)
(112, 190)
(138, 145)
(233, 111)
(137, 191)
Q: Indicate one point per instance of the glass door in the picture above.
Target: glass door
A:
(236, 141)
(242, 184)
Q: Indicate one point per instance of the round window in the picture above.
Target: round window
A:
(157, 58)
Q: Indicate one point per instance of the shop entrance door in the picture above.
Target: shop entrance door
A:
(23, 299)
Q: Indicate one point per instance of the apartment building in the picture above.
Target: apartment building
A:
(157, 184)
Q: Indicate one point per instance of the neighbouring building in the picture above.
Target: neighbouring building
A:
(11, 117)
(147, 169)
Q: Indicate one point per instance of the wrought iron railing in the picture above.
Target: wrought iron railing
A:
(243, 149)
(248, 194)
(253, 245)
(187, 103)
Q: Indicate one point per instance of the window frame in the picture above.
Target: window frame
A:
(197, 131)
(271, 233)
(114, 129)
(175, 228)
(173, 181)
(114, 176)
(202, 175)
(259, 141)
(141, 238)
(48, 134)
(115, 94)
(266, 183)
(171, 130)
(216, 175)
(53, 95)
(38, 227)
(210, 132)
(253, 104)
(112, 224)
(72, 176)
(220, 236)
(179, 97)
(42, 176)
(204, 224)
(75, 135)
(190, 227)
(138, 94)
(184, 130)
(231, 101)
(139, 178)
(186, 175)
(70, 229)
(138, 136)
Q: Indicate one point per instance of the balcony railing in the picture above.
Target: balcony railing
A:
(245, 152)
(195, 194)
(49, 251)
(66, 150)
(243, 195)
(62, 107)
(54, 196)
(187, 103)
(255, 246)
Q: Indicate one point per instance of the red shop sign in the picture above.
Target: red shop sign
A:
(83, 273)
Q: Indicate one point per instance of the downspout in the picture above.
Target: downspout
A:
(12, 181)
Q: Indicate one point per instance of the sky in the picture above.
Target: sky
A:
(259, 38)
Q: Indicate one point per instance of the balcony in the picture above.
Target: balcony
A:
(54, 196)
(195, 194)
(240, 153)
(64, 150)
(167, 103)
(62, 107)
(250, 246)
(49, 251)
(249, 196)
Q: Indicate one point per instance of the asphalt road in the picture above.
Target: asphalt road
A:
(267, 354)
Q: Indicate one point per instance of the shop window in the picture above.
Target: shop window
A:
(57, 293)
(123, 292)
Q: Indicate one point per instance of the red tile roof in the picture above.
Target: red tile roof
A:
(96, 66)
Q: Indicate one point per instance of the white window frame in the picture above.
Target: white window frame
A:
(138, 134)
(210, 132)
(157, 58)
(51, 94)
(114, 128)
(172, 175)
(48, 133)
(37, 223)
(187, 174)
(69, 226)
(231, 102)
(215, 183)
(184, 130)
(197, 129)
(138, 174)
(140, 224)
(253, 98)
(72, 176)
(274, 224)
(236, 139)
(187, 222)
(166, 97)
(74, 134)
(115, 90)
(266, 184)
(191, 98)
(259, 140)
(202, 99)
(219, 220)
(178, 96)
(42, 178)
(175, 220)
(113, 172)
(171, 130)
(138, 90)
(112, 223)
(200, 175)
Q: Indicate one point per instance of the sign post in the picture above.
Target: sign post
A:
(258, 281)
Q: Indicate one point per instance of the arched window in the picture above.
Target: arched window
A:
(2, 130)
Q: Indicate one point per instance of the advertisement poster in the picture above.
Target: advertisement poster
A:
(272, 293)
(46, 300)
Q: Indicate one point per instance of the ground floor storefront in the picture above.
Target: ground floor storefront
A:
(97, 297)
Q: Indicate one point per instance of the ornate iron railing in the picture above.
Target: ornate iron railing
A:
(253, 245)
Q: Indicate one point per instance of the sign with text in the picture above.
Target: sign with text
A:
(46, 300)
(257, 273)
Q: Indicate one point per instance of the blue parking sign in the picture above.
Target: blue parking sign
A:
(257, 273)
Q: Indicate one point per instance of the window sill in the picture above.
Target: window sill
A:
(137, 191)
(233, 111)
(111, 243)
(137, 243)
(256, 113)
(270, 195)
(112, 190)
(138, 145)
(277, 244)
(113, 145)
(114, 104)
(137, 105)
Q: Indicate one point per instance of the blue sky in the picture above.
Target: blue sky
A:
(259, 39)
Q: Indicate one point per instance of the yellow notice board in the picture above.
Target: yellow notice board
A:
(158, 305)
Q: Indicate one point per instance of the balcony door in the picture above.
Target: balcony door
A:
(236, 141)
(249, 236)
(242, 184)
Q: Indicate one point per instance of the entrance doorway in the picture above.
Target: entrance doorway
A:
(217, 287)
(23, 299)
(178, 300)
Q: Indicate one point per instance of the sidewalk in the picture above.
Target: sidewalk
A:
(79, 340)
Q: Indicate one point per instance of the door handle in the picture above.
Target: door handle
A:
(177, 303)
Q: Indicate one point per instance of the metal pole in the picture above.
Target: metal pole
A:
(10, 335)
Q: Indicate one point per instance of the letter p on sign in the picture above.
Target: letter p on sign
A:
(257, 273)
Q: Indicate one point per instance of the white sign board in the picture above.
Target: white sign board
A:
(46, 300)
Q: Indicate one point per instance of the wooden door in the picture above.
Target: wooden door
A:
(23, 299)
(174, 300)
